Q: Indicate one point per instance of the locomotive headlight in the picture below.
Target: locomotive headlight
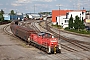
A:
(52, 43)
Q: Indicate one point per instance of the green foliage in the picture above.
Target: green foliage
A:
(76, 31)
(67, 28)
(71, 22)
(78, 24)
(2, 12)
(57, 26)
(27, 16)
(1, 17)
(12, 12)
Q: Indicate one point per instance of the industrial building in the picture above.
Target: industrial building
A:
(33, 15)
(62, 16)
(13, 17)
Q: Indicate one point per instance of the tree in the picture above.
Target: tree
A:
(1, 17)
(82, 24)
(12, 12)
(71, 22)
(2, 12)
(78, 24)
(27, 16)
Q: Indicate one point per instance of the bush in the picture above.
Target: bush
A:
(76, 31)
(67, 28)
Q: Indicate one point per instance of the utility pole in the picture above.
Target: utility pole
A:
(59, 18)
(34, 8)
(58, 28)
(78, 5)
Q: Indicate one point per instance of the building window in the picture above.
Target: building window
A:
(66, 21)
(56, 19)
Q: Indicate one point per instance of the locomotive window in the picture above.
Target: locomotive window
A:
(48, 35)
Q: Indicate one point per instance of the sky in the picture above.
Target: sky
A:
(31, 6)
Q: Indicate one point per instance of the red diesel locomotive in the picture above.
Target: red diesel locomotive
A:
(40, 40)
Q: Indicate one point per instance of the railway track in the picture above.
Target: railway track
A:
(68, 48)
(83, 42)
(71, 41)
(4, 29)
(63, 46)
(12, 35)
(35, 28)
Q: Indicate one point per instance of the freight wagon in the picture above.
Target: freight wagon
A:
(40, 40)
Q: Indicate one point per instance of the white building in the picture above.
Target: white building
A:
(64, 19)
(33, 16)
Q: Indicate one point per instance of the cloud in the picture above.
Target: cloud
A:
(43, 5)
(70, 0)
(43, 0)
(20, 2)
(23, 1)
(15, 4)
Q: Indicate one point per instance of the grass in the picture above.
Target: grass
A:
(80, 31)
(87, 32)
(57, 26)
